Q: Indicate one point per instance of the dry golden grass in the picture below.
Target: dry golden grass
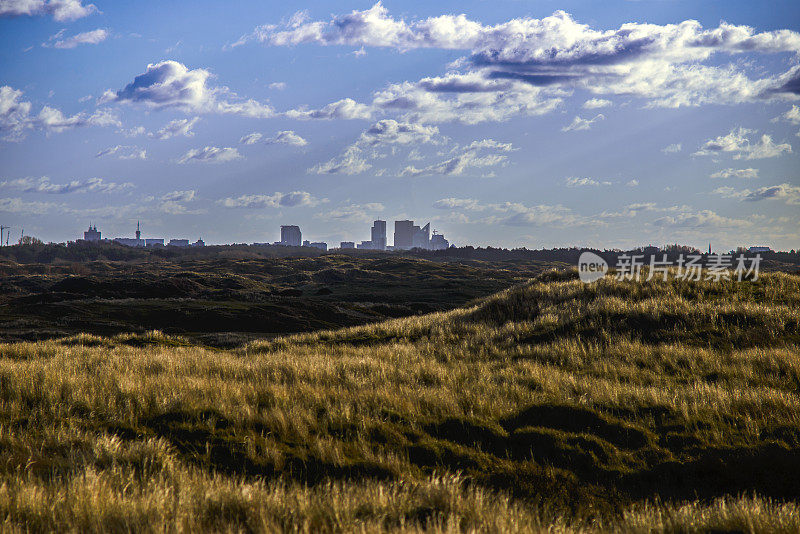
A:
(556, 406)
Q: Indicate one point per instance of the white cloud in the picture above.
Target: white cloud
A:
(251, 138)
(133, 132)
(632, 183)
(792, 115)
(123, 152)
(458, 203)
(170, 84)
(210, 154)
(353, 212)
(674, 148)
(738, 144)
(16, 119)
(384, 134)
(736, 173)
(91, 37)
(787, 192)
(470, 157)
(278, 86)
(595, 103)
(177, 127)
(61, 10)
(351, 161)
(390, 131)
(662, 64)
(579, 123)
(284, 137)
(575, 181)
(346, 108)
(276, 200)
(701, 219)
(44, 185)
(22, 207)
(180, 196)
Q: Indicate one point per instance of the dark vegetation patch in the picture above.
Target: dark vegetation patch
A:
(226, 302)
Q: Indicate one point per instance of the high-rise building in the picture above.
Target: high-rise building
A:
(347, 244)
(379, 235)
(91, 234)
(438, 242)
(422, 237)
(403, 235)
(291, 236)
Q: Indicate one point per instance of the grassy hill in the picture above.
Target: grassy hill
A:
(225, 302)
(639, 407)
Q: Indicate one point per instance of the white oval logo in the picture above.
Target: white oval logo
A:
(591, 267)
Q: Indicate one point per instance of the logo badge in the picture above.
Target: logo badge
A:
(591, 267)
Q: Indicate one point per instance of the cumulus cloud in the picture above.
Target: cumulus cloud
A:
(170, 84)
(736, 173)
(579, 123)
(16, 118)
(792, 115)
(23, 207)
(596, 103)
(701, 219)
(180, 196)
(44, 185)
(123, 152)
(383, 134)
(662, 64)
(284, 137)
(468, 98)
(473, 156)
(674, 148)
(389, 131)
(91, 37)
(787, 192)
(276, 200)
(61, 10)
(353, 212)
(458, 203)
(351, 161)
(738, 144)
(210, 154)
(346, 108)
(176, 128)
(575, 181)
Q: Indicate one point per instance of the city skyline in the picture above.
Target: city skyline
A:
(508, 125)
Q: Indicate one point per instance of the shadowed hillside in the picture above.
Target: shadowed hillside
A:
(226, 302)
(663, 406)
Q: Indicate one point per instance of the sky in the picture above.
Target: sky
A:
(510, 123)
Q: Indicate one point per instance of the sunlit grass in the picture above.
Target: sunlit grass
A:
(559, 406)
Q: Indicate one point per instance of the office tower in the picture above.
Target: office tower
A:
(438, 242)
(379, 235)
(291, 236)
(403, 234)
(421, 237)
(138, 233)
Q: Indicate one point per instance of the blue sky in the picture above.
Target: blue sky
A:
(505, 123)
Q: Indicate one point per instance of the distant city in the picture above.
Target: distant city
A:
(407, 235)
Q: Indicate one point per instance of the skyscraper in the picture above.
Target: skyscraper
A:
(291, 236)
(379, 235)
(403, 234)
(422, 237)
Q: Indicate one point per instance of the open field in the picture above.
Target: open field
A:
(638, 407)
